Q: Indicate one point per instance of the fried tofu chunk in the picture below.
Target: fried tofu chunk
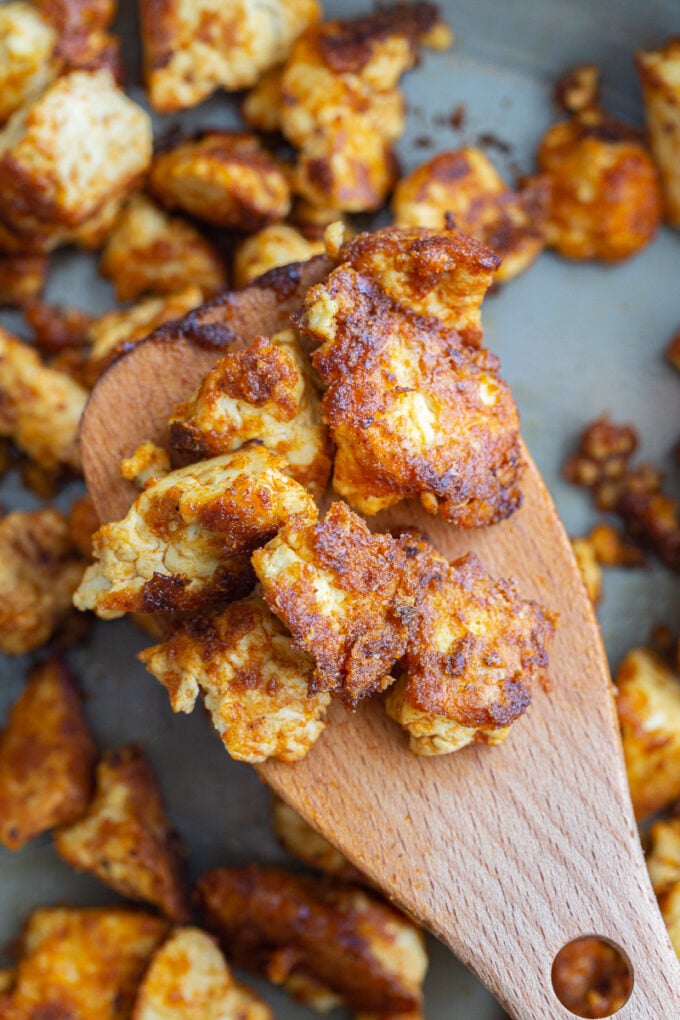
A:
(591, 978)
(305, 843)
(649, 712)
(277, 245)
(659, 72)
(82, 31)
(124, 837)
(185, 543)
(188, 979)
(224, 178)
(663, 858)
(190, 50)
(465, 185)
(27, 54)
(46, 757)
(39, 571)
(147, 465)
(84, 963)
(475, 648)
(352, 942)
(22, 278)
(46, 186)
(40, 408)
(605, 198)
(264, 392)
(344, 594)
(589, 567)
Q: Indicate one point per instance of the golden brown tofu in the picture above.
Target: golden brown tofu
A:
(46, 757)
(191, 50)
(663, 857)
(83, 39)
(264, 392)
(254, 682)
(303, 842)
(186, 541)
(351, 942)
(659, 72)
(589, 566)
(124, 837)
(474, 650)
(591, 978)
(224, 178)
(612, 549)
(27, 54)
(344, 594)
(649, 712)
(147, 465)
(669, 904)
(84, 963)
(578, 89)
(151, 252)
(189, 979)
(22, 278)
(602, 460)
(277, 245)
(39, 571)
(465, 185)
(605, 198)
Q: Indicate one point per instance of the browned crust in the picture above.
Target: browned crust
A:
(347, 46)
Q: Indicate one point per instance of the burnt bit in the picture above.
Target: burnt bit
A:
(458, 117)
(489, 140)
(347, 46)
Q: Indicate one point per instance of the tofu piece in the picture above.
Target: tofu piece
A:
(578, 89)
(82, 31)
(84, 963)
(40, 408)
(474, 651)
(254, 682)
(46, 185)
(124, 838)
(345, 595)
(190, 50)
(465, 185)
(352, 942)
(649, 712)
(27, 54)
(591, 978)
(39, 571)
(263, 392)
(605, 197)
(22, 277)
(186, 541)
(663, 857)
(146, 466)
(225, 178)
(302, 841)
(589, 566)
(46, 757)
(188, 979)
(659, 72)
(274, 246)
(151, 252)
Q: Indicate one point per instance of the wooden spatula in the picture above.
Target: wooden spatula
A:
(505, 853)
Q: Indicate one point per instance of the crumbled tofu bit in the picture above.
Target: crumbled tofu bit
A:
(475, 647)
(579, 88)
(27, 60)
(303, 842)
(612, 549)
(352, 942)
(649, 713)
(146, 465)
(189, 979)
(151, 252)
(263, 392)
(22, 278)
(70, 152)
(345, 596)
(40, 408)
(465, 185)
(605, 198)
(186, 541)
(255, 684)
(663, 857)
(57, 327)
(83, 39)
(602, 460)
(591, 978)
(225, 178)
(589, 566)
(190, 50)
(124, 838)
(46, 757)
(277, 245)
(659, 73)
(39, 571)
(312, 220)
(84, 963)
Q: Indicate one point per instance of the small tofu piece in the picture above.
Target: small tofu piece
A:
(263, 392)
(649, 712)
(669, 904)
(151, 252)
(578, 89)
(602, 460)
(47, 757)
(147, 465)
(46, 186)
(27, 54)
(40, 408)
(192, 50)
(83, 39)
(663, 857)
(124, 838)
(84, 963)
(254, 682)
(344, 594)
(224, 178)
(22, 278)
(189, 979)
(465, 185)
(589, 566)
(39, 571)
(605, 197)
(302, 841)
(591, 978)
(277, 245)
(186, 541)
(659, 72)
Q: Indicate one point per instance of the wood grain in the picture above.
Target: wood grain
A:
(505, 853)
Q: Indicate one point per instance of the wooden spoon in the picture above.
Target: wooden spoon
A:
(504, 853)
